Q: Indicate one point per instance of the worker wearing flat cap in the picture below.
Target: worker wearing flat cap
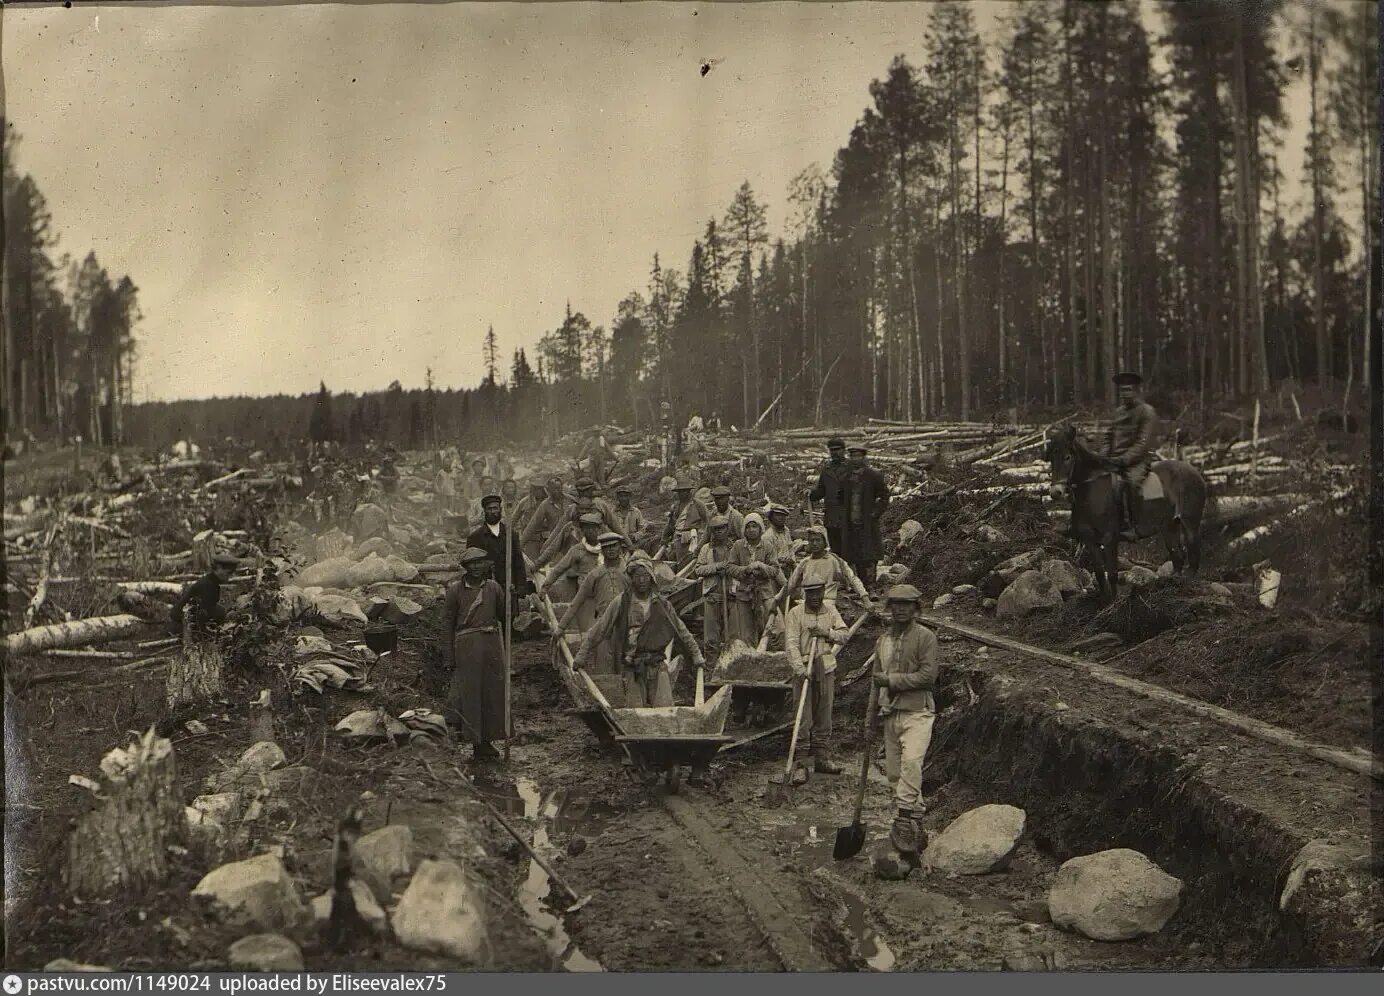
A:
(638, 625)
(831, 491)
(813, 630)
(713, 567)
(202, 598)
(598, 588)
(582, 557)
(778, 537)
(494, 536)
(585, 502)
(628, 516)
(688, 521)
(720, 498)
(904, 677)
(545, 520)
(527, 505)
(473, 651)
(866, 497)
(1129, 446)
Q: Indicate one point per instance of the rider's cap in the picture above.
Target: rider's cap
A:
(1127, 377)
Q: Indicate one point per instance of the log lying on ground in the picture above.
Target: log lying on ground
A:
(123, 843)
(77, 633)
(139, 604)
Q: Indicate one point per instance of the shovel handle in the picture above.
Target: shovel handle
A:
(798, 719)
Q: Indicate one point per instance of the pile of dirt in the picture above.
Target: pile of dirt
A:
(755, 665)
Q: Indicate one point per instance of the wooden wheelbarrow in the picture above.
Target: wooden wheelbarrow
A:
(663, 740)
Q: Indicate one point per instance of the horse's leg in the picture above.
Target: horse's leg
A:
(1172, 539)
(1191, 538)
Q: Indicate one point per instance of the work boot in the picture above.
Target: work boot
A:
(904, 835)
(1132, 498)
(822, 762)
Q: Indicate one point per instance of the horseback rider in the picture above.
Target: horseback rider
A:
(1129, 446)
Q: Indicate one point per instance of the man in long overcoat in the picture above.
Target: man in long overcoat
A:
(866, 498)
(830, 490)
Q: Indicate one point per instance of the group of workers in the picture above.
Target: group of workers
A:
(590, 555)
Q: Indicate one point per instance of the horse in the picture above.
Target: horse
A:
(1175, 499)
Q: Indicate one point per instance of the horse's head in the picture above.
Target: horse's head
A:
(1062, 452)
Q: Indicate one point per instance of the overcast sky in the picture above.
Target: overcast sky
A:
(353, 193)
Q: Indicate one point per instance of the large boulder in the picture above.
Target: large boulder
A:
(978, 841)
(1138, 577)
(1113, 896)
(258, 892)
(1032, 591)
(377, 545)
(265, 953)
(1065, 576)
(1321, 855)
(441, 913)
(369, 520)
(382, 856)
(910, 530)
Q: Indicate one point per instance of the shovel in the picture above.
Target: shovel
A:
(849, 840)
(780, 793)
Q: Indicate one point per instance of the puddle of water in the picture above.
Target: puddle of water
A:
(988, 904)
(871, 947)
(522, 797)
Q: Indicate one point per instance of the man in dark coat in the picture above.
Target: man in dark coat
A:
(202, 598)
(492, 535)
(1129, 446)
(830, 490)
(866, 498)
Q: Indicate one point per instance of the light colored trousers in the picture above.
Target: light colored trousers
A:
(906, 739)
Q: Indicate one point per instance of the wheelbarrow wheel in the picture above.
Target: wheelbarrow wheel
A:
(673, 779)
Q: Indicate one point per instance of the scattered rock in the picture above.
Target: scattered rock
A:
(1137, 576)
(989, 603)
(978, 841)
(1014, 566)
(441, 913)
(1320, 855)
(257, 891)
(220, 807)
(1113, 895)
(576, 845)
(68, 965)
(366, 906)
(1064, 575)
(196, 727)
(382, 855)
(889, 865)
(910, 530)
(262, 757)
(962, 590)
(1022, 959)
(1032, 591)
(371, 724)
(942, 600)
(265, 953)
(989, 534)
(1219, 589)
(1165, 569)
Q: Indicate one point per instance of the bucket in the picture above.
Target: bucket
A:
(382, 639)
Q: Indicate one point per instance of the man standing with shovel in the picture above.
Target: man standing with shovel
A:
(815, 628)
(904, 677)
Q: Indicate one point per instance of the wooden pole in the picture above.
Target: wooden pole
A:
(508, 632)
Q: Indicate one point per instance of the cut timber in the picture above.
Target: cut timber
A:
(123, 842)
(152, 587)
(77, 633)
(195, 673)
(139, 604)
(1360, 763)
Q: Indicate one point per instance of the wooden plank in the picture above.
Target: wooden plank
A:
(1363, 763)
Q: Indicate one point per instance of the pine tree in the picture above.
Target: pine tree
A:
(321, 426)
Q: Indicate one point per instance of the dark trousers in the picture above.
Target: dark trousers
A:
(836, 540)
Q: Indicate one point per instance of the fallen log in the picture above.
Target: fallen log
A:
(79, 632)
(124, 842)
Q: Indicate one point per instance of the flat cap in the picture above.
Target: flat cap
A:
(683, 484)
(720, 491)
(640, 561)
(818, 531)
(777, 510)
(717, 521)
(835, 443)
(903, 593)
(811, 585)
(605, 539)
(590, 519)
(624, 489)
(857, 448)
(492, 500)
(1127, 377)
(473, 554)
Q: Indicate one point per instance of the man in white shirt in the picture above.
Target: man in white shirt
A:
(815, 621)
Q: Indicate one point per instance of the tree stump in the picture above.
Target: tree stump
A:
(123, 842)
(203, 550)
(194, 674)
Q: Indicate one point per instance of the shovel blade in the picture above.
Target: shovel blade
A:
(849, 841)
